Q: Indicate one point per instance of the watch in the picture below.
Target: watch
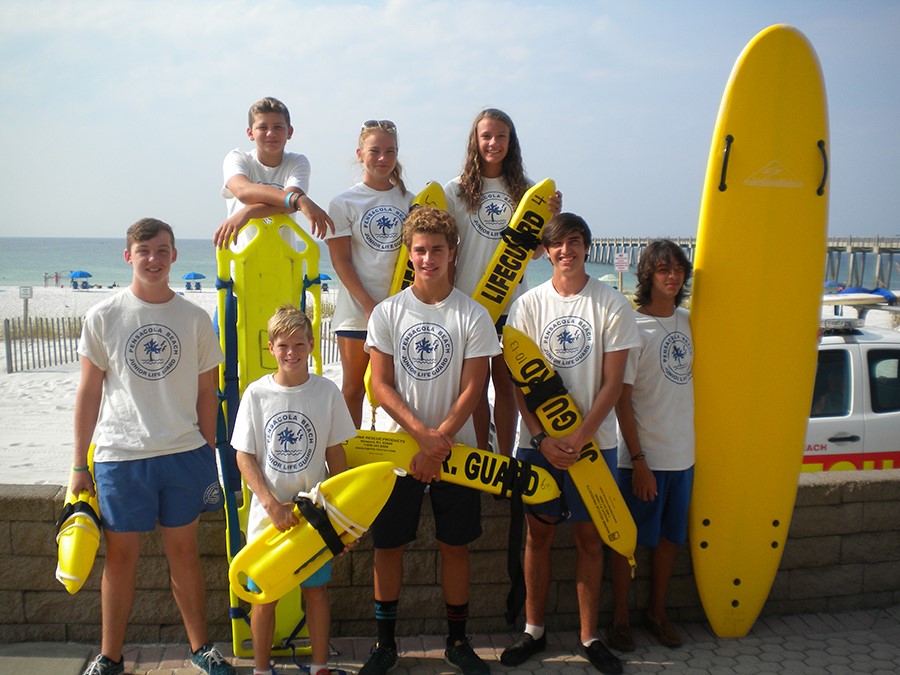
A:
(536, 440)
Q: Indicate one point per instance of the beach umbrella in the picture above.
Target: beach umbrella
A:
(80, 274)
(324, 277)
(193, 275)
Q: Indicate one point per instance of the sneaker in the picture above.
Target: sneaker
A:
(462, 656)
(601, 658)
(619, 637)
(103, 666)
(381, 660)
(523, 649)
(207, 659)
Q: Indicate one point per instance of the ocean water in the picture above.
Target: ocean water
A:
(24, 261)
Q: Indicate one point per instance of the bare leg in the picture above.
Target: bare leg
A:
(388, 573)
(318, 620)
(621, 580)
(186, 572)
(506, 414)
(354, 361)
(537, 569)
(588, 575)
(662, 561)
(455, 573)
(117, 589)
(263, 629)
(481, 418)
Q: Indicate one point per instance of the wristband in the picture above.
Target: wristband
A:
(79, 468)
(297, 200)
(287, 200)
(638, 457)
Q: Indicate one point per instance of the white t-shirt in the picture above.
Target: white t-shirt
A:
(480, 232)
(288, 429)
(293, 171)
(373, 220)
(152, 356)
(661, 370)
(573, 334)
(429, 344)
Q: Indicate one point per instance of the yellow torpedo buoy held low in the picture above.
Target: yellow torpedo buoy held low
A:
(78, 537)
(278, 562)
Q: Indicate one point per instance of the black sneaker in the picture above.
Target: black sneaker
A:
(381, 660)
(523, 649)
(601, 658)
(462, 656)
(103, 666)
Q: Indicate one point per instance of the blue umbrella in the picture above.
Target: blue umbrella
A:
(80, 274)
(324, 277)
(193, 275)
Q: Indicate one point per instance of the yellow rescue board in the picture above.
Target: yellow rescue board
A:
(559, 417)
(754, 368)
(507, 265)
(279, 562)
(433, 196)
(78, 536)
(470, 467)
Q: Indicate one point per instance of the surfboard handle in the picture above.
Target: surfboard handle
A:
(729, 139)
(821, 190)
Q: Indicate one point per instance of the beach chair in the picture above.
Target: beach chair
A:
(187, 285)
(196, 285)
(251, 284)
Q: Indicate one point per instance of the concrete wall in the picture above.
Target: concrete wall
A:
(843, 552)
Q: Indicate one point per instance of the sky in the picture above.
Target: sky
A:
(116, 110)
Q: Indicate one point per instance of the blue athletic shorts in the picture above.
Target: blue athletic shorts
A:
(320, 577)
(570, 501)
(456, 509)
(666, 516)
(352, 334)
(172, 490)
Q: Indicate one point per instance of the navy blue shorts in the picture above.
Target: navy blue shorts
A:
(666, 516)
(456, 509)
(352, 334)
(172, 490)
(570, 502)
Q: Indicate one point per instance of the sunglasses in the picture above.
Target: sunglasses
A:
(384, 125)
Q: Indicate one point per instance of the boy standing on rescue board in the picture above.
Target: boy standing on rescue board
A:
(288, 435)
(584, 329)
(656, 437)
(267, 180)
(429, 346)
(147, 399)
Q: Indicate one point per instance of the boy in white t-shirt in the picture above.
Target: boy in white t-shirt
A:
(267, 180)
(147, 400)
(656, 431)
(288, 435)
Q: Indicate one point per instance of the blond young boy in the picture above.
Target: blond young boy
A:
(288, 433)
(267, 180)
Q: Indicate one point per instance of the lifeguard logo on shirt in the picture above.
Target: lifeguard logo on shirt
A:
(425, 351)
(493, 214)
(380, 227)
(676, 357)
(567, 341)
(291, 441)
(153, 351)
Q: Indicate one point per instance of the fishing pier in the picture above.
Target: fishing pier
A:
(882, 252)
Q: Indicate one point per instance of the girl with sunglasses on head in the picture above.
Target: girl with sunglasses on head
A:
(482, 200)
(364, 248)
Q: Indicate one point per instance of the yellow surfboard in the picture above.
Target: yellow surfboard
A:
(278, 562)
(431, 195)
(559, 417)
(754, 368)
(78, 536)
(470, 467)
(514, 252)
(265, 274)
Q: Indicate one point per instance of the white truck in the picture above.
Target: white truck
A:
(855, 418)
